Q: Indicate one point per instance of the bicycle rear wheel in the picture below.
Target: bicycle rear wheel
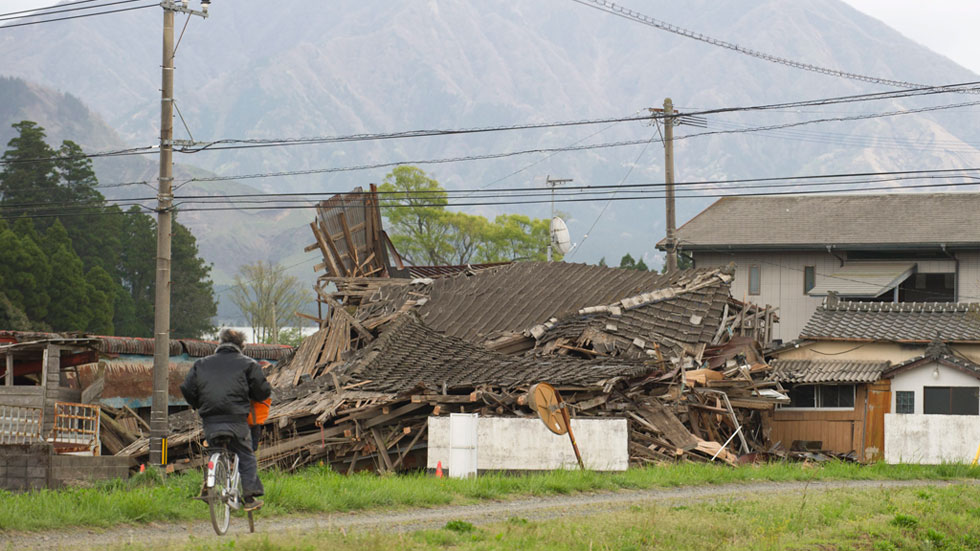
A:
(217, 496)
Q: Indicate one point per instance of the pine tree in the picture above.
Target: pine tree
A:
(29, 174)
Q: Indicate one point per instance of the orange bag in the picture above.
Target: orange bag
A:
(260, 412)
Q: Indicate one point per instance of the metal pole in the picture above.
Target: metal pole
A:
(159, 426)
(669, 180)
(547, 181)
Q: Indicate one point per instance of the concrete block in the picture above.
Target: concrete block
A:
(931, 439)
(515, 444)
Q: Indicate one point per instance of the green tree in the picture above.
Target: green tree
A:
(192, 303)
(70, 308)
(628, 263)
(268, 298)
(414, 205)
(424, 232)
(602, 262)
(517, 237)
(102, 296)
(29, 174)
(26, 274)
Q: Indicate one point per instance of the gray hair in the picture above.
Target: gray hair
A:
(232, 336)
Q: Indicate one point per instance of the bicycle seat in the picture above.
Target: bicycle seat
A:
(221, 440)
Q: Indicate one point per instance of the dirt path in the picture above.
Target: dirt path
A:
(542, 508)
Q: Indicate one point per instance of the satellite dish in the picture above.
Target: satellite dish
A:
(544, 399)
(560, 239)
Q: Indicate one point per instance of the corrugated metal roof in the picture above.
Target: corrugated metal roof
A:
(863, 279)
(817, 221)
(897, 322)
(827, 371)
(144, 347)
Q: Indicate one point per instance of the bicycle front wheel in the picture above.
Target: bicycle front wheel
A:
(217, 496)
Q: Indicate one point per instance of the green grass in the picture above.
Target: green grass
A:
(872, 519)
(148, 498)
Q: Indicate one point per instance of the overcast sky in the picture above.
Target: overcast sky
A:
(948, 27)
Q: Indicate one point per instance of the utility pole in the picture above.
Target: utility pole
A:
(553, 184)
(159, 425)
(669, 180)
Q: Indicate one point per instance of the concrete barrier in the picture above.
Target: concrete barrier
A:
(931, 439)
(521, 444)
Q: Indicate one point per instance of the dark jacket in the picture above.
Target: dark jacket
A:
(222, 386)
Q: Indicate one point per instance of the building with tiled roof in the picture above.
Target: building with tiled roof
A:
(913, 370)
(792, 251)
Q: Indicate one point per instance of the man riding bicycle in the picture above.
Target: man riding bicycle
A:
(221, 387)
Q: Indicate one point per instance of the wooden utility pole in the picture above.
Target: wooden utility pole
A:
(159, 406)
(669, 181)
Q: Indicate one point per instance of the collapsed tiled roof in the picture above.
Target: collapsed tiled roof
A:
(897, 322)
(443, 271)
(688, 312)
(939, 352)
(928, 219)
(827, 371)
(515, 297)
(408, 355)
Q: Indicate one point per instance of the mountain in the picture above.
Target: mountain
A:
(226, 239)
(258, 70)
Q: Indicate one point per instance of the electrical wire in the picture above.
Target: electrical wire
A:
(4, 27)
(635, 16)
(800, 181)
(277, 142)
(56, 9)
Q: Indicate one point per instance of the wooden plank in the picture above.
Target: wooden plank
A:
(447, 398)
(351, 247)
(382, 450)
(9, 374)
(325, 249)
(407, 408)
(328, 239)
(337, 307)
(405, 452)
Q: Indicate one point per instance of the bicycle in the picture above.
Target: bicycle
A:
(223, 485)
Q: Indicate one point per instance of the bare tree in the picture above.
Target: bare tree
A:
(269, 298)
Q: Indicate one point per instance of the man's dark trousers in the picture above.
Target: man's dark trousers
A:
(240, 445)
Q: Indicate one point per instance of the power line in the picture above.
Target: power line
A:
(498, 200)
(43, 12)
(491, 156)
(631, 15)
(812, 180)
(277, 142)
(4, 27)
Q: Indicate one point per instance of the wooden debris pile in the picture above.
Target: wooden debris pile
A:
(670, 360)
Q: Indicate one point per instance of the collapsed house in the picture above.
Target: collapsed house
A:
(676, 355)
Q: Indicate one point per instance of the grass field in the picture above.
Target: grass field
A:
(946, 518)
(149, 498)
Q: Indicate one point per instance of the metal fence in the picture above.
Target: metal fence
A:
(20, 425)
(76, 428)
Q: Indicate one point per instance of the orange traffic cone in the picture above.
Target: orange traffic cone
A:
(439, 469)
(142, 467)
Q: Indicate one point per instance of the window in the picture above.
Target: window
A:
(809, 278)
(755, 280)
(951, 400)
(821, 396)
(904, 401)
